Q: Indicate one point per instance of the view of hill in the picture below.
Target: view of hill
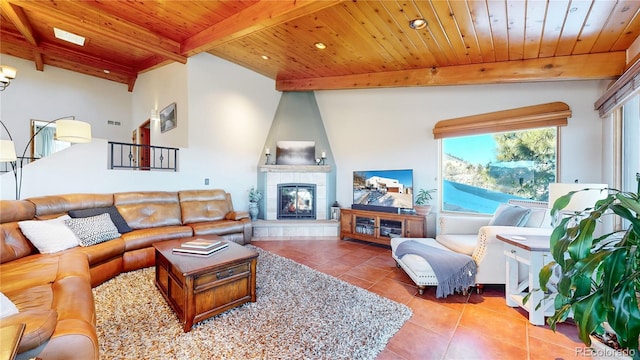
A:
(522, 166)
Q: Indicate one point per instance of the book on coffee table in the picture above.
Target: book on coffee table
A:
(201, 244)
(201, 252)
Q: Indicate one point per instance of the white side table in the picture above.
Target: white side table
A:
(532, 251)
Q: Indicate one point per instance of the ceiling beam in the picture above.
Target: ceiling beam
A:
(38, 59)
(259, 16)
(97, 23)
(131, 84)
(576, 67)
(82, 59)
(19, 20)
(70, 56)
(151, 63)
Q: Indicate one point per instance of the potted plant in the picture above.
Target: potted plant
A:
(421, 204)
(600, 275)
(254, 197)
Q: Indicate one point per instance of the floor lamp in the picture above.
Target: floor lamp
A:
(67, 129)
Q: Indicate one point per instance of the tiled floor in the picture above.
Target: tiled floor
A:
(476, 326)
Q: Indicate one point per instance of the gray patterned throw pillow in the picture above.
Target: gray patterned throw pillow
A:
(93, 230)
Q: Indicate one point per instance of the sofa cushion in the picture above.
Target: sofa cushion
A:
(220, 227)
(7, 307)
(510, 215)
(149, 209)
(16, 210)
(117, 219)
(93, 230)
(39, 326)
(143, 238)
(102, 252)
(204, 205)
(49, 236)
(464, 244)
(55, 205)
(27, 272)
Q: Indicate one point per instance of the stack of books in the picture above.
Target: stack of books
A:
(202, 247)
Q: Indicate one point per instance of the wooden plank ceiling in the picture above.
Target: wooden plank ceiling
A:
(368, 43)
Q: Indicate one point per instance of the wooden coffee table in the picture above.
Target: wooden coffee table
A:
(198, 287)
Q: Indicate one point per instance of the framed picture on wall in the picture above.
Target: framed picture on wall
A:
(168, 118)
(295, 152)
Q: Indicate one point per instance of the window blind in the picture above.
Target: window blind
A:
(529, 117)
(620, 90)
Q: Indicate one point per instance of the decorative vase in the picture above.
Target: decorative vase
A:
(253, 210)
(422, 210)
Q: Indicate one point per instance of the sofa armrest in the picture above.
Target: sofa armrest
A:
(237, 215)
(461, 224)
(487, 236)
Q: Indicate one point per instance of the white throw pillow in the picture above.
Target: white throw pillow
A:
(7, 307)
(537, 218)
(49, 236)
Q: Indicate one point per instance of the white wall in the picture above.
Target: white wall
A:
(157, 89)
(231, 110)
(54, 93)
(392, 128)
(231, 107)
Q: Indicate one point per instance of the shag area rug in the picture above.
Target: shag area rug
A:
(300, 313)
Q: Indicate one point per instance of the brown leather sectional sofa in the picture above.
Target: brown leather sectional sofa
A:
(53, 291)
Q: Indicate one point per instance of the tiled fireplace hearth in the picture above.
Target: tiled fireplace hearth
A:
(272, 227)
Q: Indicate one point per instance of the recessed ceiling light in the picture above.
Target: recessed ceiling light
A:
(265, 57)
(67, 36)
(418, 24)
(107, 71)
(320, 45)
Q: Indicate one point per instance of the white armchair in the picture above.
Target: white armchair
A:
(472, 235)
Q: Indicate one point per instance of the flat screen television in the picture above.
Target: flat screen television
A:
(383, 190)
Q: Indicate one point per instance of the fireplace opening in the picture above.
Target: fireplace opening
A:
(296, 201)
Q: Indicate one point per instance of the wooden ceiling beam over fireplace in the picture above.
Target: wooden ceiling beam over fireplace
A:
(596, 66)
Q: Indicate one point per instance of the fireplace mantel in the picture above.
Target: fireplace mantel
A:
(294, 168)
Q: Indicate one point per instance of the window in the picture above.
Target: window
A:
(479, 172)
(630, 144)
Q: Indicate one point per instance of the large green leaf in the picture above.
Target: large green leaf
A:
(563, 310)
(581, 284)
(588, 314)
(561, 202)
(628, 201)
(545, 274)
(615, 267)
(580, 247)
(559, 250)
(565, 286)
(624, 317)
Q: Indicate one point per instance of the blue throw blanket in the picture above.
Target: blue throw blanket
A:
(454, 271)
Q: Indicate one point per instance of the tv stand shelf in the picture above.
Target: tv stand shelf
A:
(380, 227)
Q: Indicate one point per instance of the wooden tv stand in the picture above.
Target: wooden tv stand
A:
(380, 227)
